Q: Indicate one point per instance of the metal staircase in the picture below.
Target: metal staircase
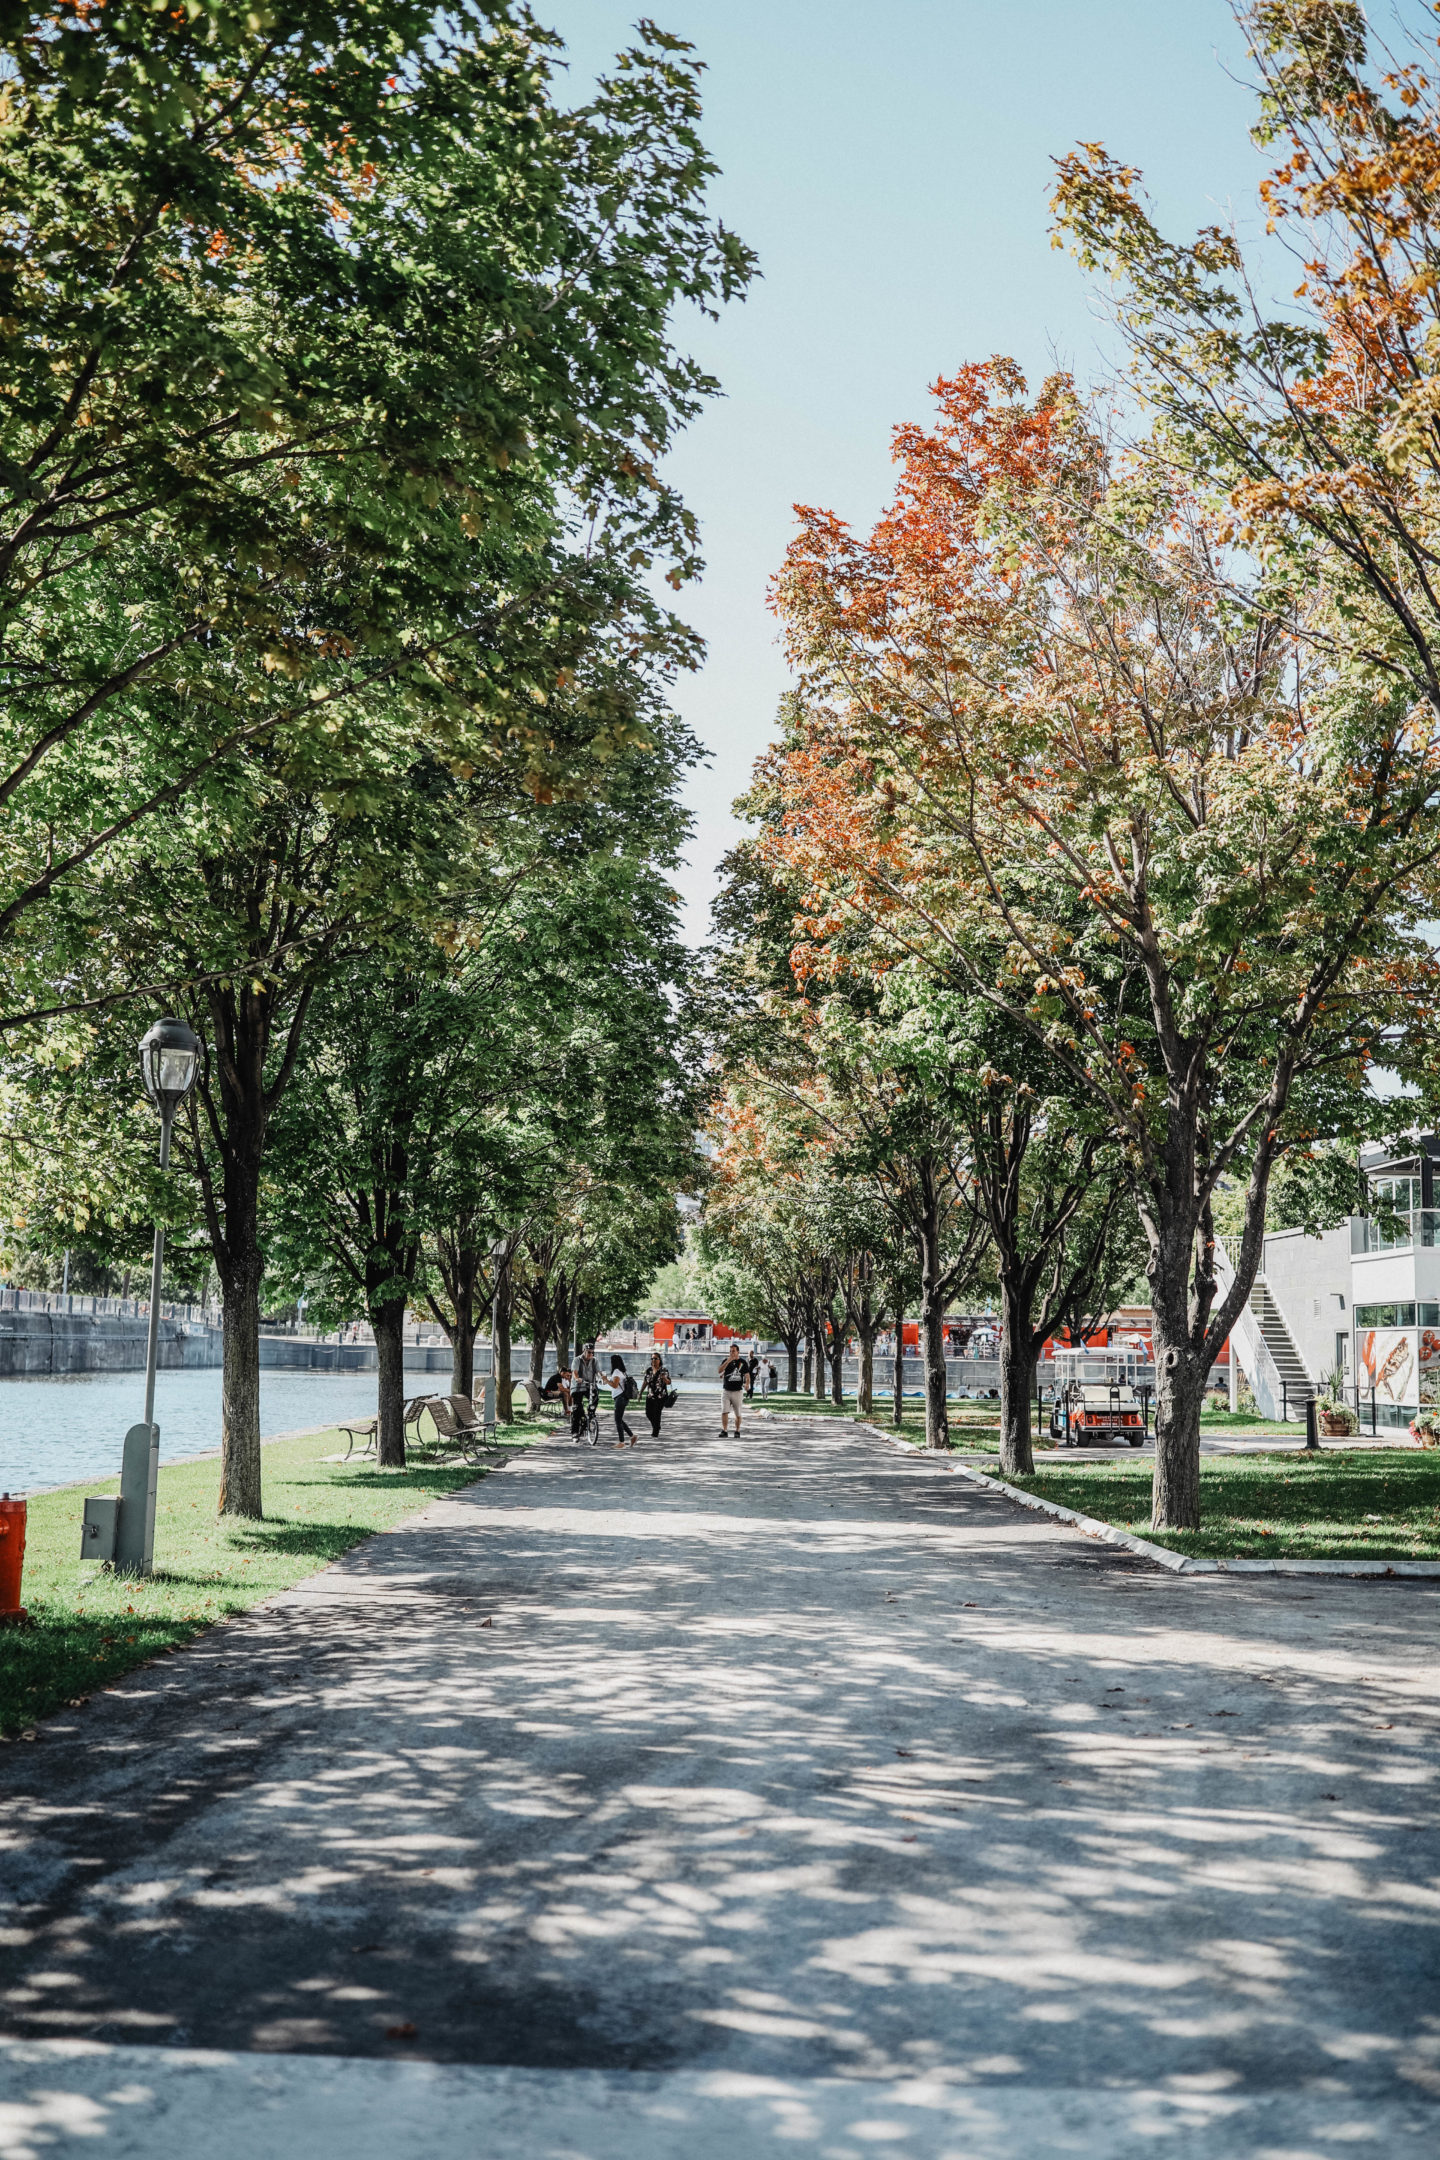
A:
(1299, 1387)
(1264, 1345)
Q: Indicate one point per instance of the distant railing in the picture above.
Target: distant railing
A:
(1247, 1342)
(1229, 1243)
(1395, 1233)
(110, 1308)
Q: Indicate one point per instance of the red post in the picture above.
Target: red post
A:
(12, 1559)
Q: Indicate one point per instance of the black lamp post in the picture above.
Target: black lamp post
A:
(169, 1054)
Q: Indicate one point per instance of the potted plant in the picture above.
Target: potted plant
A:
(1334, 1415)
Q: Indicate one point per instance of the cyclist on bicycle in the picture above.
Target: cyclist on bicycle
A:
(585, 1395)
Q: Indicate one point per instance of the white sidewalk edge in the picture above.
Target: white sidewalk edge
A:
(1178, 1563)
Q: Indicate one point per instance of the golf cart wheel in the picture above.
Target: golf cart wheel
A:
(1137, 1440)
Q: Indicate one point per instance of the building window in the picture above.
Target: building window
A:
(1400, 1196)
(1342, 1353)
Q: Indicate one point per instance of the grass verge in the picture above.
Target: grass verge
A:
(1247, 1425)
(89, 1627)
(1351, 1506)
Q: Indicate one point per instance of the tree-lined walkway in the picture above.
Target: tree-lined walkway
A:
(720, 1796)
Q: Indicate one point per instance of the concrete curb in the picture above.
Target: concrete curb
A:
(1177, 1563)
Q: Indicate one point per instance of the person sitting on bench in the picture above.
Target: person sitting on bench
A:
(557, 1388)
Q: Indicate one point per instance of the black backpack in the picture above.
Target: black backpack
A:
(629, 1391)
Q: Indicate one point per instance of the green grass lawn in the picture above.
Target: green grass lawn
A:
(1246, 1425)
(90, 1627)
(973, 1425)
(1331, 1506)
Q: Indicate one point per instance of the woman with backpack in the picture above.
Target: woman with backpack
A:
(622, 1389)
(659, 1392)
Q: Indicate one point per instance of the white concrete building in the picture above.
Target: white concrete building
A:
(1395, 1284)
(1365, 1297)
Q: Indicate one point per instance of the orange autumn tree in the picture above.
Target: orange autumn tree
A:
(1053, 744)
(1316, 418)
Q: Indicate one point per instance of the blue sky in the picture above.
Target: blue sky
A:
(891, 166)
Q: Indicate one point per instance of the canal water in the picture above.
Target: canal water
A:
(60, 1431)
(71, 1428)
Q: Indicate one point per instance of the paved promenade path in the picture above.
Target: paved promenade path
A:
(786, 1796)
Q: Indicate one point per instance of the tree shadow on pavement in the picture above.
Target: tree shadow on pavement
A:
(780, 1759)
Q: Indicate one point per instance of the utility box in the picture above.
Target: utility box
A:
(101, 1530)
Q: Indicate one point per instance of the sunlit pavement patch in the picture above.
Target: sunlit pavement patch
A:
(59, 2098)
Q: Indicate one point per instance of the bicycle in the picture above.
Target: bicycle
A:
(589, 1425)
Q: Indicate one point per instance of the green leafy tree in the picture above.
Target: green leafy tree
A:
(252, 446)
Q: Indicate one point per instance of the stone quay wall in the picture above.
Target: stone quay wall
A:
(37, 1344)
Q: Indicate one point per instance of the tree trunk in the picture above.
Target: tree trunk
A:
(1017, 1379)
(504, 1385)
(462, 1352)
(897, 1406)
(792, 1361)
(458, 1270)
(388, 1320)
(817, 1363)
(863, 1314)
(562, 1329)
(240, 1392)
(837, 1367)
(932, 1323)
(1179, 1399)
(243, 1267)
(539, 1344)
(805, 1386)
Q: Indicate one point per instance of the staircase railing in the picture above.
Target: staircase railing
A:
(1229, 1242)
(1256, 1361)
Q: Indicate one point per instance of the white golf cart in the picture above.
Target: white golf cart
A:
(1096, 1404)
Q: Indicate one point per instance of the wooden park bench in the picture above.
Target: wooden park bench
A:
(457, 1424)
(367, 1430)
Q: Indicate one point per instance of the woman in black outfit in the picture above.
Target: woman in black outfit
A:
(621, 1390)
(655, 1386)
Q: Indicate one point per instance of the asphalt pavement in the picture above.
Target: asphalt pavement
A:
(787, 1795)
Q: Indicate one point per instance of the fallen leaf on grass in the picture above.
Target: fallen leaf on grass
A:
(400, 2032)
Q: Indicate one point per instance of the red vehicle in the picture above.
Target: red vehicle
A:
(1095, 1400)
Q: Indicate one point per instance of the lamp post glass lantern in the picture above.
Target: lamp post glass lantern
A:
(169, 1054)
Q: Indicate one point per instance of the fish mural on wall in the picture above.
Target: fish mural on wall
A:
(1387, 1364)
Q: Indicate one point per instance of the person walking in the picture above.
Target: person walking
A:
(584, 1390)
(732, 1389)
(752, 1367)
(658, 1390)
(772, 1378)
(622, 1392)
